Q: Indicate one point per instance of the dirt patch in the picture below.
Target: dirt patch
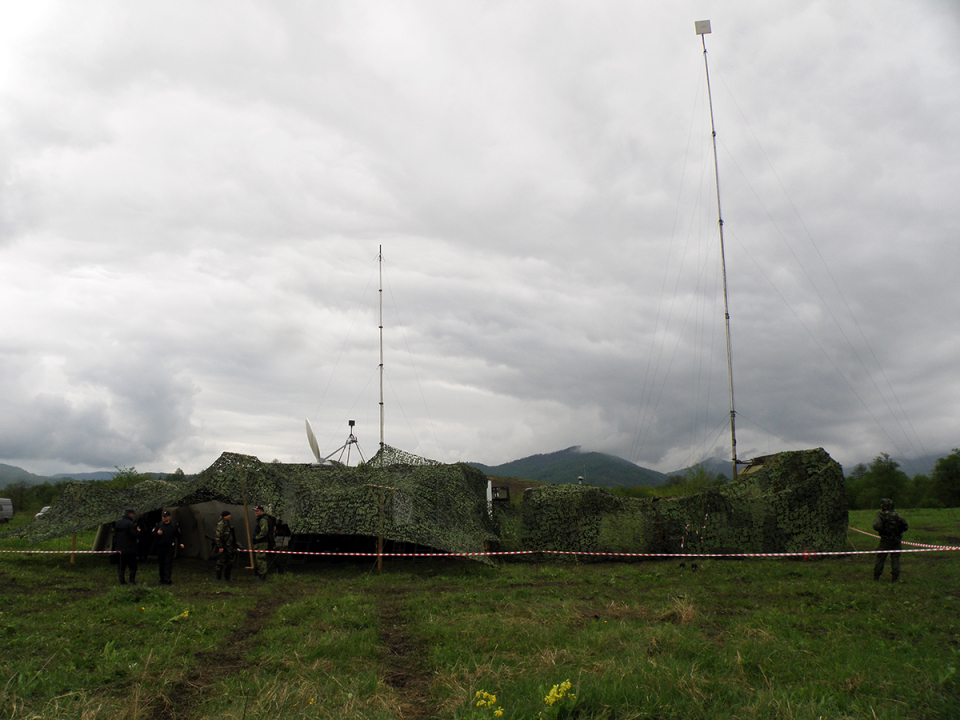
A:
(405, 668)
(211, 667)
(611, 612)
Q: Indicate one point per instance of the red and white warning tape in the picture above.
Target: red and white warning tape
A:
(919, 547)
(922, 545)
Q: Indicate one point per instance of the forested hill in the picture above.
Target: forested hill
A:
(10, 474)
(565, 466)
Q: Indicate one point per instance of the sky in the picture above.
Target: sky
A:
(199, 204)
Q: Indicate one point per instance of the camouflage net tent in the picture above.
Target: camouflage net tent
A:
(396, 495)
(789, 502)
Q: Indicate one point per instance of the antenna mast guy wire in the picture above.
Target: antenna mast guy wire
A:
(703, 28)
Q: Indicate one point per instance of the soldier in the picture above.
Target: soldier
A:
(126, 534)
(263, 540)
(225, 542)
(891, 528)
(167, 534)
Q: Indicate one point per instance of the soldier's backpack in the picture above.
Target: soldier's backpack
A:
(892, 525)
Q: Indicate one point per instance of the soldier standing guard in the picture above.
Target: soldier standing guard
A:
(127, 533)
(262, 541)
(891, 527)
(225, 542)
(167, 535)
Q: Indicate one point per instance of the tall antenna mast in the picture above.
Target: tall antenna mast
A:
(703, 29)
(380, 267)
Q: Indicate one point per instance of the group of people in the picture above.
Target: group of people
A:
(225, 544)
(167, 538)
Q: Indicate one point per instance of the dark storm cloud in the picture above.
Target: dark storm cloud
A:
(194, 197)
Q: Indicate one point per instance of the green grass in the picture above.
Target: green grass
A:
(735, 639)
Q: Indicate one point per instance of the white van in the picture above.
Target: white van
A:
(6, 510)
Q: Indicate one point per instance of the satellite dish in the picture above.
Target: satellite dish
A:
(312, 439)
(326, 461)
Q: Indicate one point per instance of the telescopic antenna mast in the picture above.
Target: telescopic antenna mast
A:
(703, 29)
(380, 268)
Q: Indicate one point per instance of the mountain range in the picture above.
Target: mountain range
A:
(567, 466)
(10, 474)
(563, 466)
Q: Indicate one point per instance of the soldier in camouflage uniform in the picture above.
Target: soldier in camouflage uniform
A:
(225, 543)
(263, 540)
(891, 528)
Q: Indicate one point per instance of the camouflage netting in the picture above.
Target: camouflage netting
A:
(789, 502)
(419, 501)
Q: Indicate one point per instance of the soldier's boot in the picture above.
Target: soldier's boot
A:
(895, 578)
(876, 578)
(261, 578)
(226, 573)
(219, 574)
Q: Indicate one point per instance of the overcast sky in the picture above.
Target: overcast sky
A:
(194, 196)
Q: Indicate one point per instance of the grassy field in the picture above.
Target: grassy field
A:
(433, 638)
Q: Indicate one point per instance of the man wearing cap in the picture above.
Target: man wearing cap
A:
(166, 541)
(126, 534)
(225, 543)
(263, 541)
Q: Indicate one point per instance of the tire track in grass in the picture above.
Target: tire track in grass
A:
(212, 666)
(404, 664)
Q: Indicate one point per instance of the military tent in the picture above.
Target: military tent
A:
(791, 502)
(396, 495)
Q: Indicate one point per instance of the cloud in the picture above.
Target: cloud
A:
(193, 199)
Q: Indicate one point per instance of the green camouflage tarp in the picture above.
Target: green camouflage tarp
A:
(789, 502)
(413, 501)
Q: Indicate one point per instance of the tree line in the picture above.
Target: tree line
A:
(865, 484)
(883, 478)
(31, 498)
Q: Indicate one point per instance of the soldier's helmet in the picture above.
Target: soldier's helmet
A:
(886, 504)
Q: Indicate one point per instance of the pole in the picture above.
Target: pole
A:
(381, 491)
(703, 28)
(246, 520)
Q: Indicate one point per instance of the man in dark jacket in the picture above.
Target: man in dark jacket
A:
(225, 543)
(166, 541)
(127, 534)
(891, 527)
